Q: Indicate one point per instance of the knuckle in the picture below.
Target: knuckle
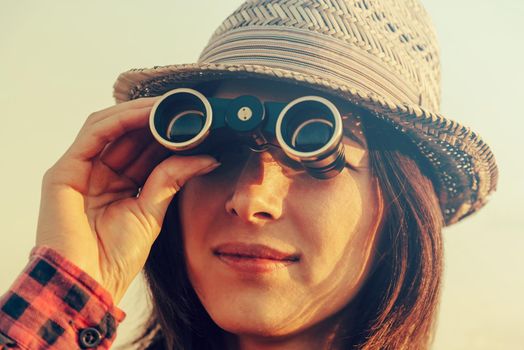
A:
(171, 176)
(49, 176)
(177, 185)
(92, 117)
(49, 172)
(54, 175)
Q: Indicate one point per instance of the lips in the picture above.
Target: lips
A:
(253, 259)
(254, 251)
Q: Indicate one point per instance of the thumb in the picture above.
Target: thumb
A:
(166, 180)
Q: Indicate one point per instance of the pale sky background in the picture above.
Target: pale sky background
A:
(59, 60)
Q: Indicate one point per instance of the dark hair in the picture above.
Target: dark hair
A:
(396, 307)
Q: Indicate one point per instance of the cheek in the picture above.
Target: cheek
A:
(198, 210)
(200, 198)
(337, 221)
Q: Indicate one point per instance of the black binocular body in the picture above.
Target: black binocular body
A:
(308, 129)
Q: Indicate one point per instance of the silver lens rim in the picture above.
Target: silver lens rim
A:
(197, 139)
(335, 138)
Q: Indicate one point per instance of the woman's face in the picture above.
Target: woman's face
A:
(270, 250)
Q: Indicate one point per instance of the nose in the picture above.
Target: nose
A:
(260, 191)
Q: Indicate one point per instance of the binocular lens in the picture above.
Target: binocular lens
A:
(308, 126)
(181, 119)
(312, 135)
(309, 129)
(184, 126)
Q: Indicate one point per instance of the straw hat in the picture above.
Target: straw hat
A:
(379, 54)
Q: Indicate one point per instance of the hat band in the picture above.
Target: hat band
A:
(311, 53)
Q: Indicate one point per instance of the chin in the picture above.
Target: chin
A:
(252, 326)
(253, 318)
(258, 317)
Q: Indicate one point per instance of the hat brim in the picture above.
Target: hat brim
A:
(464, 166)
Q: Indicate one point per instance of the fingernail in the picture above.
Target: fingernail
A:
(208, 168)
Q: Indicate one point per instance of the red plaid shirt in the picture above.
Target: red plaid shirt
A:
(53, 304)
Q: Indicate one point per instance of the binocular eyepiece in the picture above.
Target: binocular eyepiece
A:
(308, 129)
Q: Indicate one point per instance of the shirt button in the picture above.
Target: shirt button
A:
(89, 338)
(5, 340)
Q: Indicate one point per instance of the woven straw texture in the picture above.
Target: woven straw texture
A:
(381, 55)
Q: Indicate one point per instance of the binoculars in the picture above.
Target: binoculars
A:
(308, 129)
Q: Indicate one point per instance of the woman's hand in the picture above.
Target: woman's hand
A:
(89, 211)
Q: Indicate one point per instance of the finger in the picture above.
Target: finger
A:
(143, 165)
(94, 137)
(165, 181)
(123, 151)
(132, 104)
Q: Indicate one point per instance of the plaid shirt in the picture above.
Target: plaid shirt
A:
(53, 304)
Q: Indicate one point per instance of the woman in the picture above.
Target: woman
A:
(336, 226)
(253, 252)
